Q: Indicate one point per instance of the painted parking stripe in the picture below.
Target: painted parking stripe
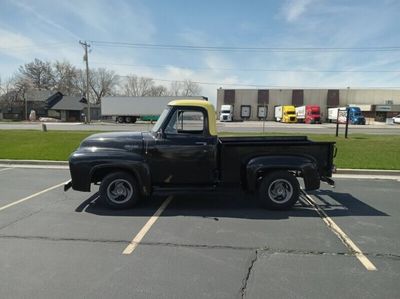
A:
(138, 238)
(341, 234)
(4, 169)
(30, 196)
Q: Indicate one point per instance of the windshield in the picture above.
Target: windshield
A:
(160, 120)
(225, 111)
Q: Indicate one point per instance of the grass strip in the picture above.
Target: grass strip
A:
(358, 151)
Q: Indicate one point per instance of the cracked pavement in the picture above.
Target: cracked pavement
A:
(64, 245)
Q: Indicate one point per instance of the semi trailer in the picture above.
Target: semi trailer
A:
(130, 109)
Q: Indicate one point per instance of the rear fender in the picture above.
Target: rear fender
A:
(260, 166)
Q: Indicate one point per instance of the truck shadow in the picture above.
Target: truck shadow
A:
(236, 205)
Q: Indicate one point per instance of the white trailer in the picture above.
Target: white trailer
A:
(301, 112)
(278, 113)
(129, 109)
(333, 114)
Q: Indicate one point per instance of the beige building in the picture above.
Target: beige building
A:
(377, 104)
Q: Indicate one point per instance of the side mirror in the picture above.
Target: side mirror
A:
(160, 134)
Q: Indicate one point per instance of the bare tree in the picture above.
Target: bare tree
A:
(184, 88)
(102, 83)
(158, 91)
(39, 73)
(138, 86)
(190, 88)
(175, 88)
(66, 78)
(79, 81)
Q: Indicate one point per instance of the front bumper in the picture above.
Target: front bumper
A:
(67, 185)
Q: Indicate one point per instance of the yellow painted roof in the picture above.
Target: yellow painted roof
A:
(200, 103)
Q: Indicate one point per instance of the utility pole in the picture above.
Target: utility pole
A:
(85, 46)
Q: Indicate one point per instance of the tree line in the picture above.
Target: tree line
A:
(69, 80)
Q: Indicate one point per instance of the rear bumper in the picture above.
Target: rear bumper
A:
(328, 181)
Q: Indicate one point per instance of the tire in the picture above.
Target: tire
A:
(134, 119)
(119, 190)
(279, 190)
(120, 119)
(128, 119)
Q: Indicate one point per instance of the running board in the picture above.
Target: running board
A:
(183, 190)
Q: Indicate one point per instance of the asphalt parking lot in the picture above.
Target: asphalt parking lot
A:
(66, 245)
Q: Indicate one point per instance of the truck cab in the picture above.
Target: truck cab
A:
(183, 153)
(226, 113)
(356, 117)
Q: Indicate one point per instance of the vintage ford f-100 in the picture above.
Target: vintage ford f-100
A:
(183, 153)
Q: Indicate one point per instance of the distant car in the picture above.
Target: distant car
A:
(396, 119)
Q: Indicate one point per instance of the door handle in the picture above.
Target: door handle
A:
(201, 143)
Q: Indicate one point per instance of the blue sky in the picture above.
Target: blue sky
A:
(50, 30)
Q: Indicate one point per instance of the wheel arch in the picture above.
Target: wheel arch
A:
(263, 165)
(139, 170)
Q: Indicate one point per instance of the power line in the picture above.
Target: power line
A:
(245, 49)
(248, 69)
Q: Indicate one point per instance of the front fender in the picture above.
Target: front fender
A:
(261, 165)
(86, 165)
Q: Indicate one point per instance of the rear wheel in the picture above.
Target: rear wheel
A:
(128, 119)
(120, 119)
(119, 190)
(134, 119)
(279, 190)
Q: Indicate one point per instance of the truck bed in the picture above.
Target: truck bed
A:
(234, 152)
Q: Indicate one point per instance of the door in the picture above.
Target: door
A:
(245, 111)
(186, 153)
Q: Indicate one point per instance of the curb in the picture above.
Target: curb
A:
(368, 172)
(34, 162)
(339, 171)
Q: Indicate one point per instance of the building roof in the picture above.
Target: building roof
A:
(34, 95)
(71, 103)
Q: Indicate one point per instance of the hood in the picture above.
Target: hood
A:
(131, 141)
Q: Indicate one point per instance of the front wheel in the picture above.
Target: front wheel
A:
(119, 190)
(279, 190)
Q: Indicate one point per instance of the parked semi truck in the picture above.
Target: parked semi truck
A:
(226, 113)
(130, 109)
(339, 114)
(182, 153)
(309, 114)
(285, 114)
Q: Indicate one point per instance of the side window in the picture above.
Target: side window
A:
(186, 122)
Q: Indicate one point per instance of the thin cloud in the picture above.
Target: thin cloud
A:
(45, 19)
(293, 9)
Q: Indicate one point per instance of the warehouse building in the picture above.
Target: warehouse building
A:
(376, 104)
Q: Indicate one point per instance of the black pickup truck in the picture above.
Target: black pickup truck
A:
(183, 153)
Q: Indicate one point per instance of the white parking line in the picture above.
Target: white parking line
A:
(341, 234)
(4, 169)
(30, 196)
(138, 238)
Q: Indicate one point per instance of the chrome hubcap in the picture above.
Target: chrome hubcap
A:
(119, 191)
(280, 191)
